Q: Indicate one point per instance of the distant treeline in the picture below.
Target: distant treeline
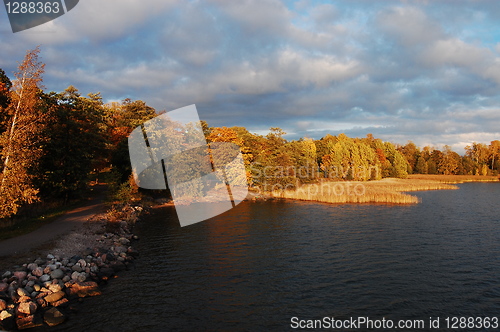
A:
(273, 160)
(52, 145)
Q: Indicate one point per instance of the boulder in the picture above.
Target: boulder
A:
(54, 288)
(32, 266)
(7, 321)
(42, 303)
(120, 249)
(53, 317)
(4, 314)
(84, 289)
(57, 274)
(77, 268)
(38, 271)
(61, 302)
(23, 299)
(39, 261)
(124, 241)
(54, 297)
(44, 278)
(27, 322)
(3, 305)
(22, 292)
(27, 308)
(79, 277)
(20, 275)
(82, 262)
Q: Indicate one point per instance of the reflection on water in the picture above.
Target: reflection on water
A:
(258, 265)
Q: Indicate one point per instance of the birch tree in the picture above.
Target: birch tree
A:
(21, 140)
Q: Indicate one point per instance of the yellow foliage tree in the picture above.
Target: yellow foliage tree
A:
(21, 141)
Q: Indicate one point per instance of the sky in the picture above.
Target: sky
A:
(425, 71)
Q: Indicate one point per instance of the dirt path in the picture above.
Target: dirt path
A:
(50, 232)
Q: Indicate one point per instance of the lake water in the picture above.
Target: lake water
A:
(262, 263)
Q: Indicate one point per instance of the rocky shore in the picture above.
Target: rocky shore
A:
(45, 291)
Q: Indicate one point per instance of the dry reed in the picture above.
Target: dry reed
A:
(388, 191)
(454, 178)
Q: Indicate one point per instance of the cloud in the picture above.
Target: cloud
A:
(422, 71)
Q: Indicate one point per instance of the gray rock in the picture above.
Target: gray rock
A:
(123, 241)
(120, 249)
(50, 256)
(79, 277)
(57, 274)
(82, 263)
(77, 268)
(44, 278)
(7, 274)
(66, 278)
(39, 261)
(32, 266)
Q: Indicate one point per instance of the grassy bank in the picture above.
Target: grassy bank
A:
(388, 191)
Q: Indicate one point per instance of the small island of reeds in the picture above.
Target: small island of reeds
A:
(386, 191)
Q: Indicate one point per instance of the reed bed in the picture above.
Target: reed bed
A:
(387, 191)
(454, 178)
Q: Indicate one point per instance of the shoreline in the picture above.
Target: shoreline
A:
(45, 291)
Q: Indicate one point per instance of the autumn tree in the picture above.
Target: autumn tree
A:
(494, 155)
(20, 141)
(76, 143)
(5, 86)
(479, 153)
(450, 162)
(421, 167)
(122, 119)
(411, 152)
